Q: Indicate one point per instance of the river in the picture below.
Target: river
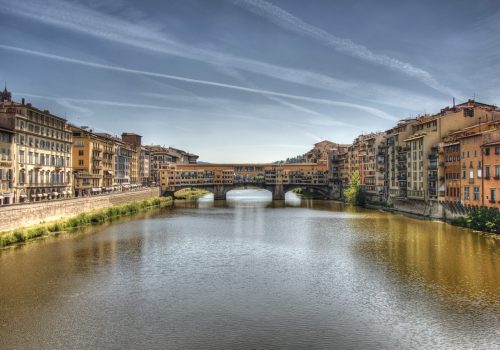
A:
(249, 273)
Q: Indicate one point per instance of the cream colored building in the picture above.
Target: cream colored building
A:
(42, 153)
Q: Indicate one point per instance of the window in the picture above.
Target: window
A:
(487, 151)
(493, 196)
(466, 193)
(80, 152)
(497, 170)
(476, 193)
(487, 172)
(497, 149)
(80, 162)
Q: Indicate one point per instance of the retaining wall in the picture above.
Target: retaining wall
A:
(24, 215)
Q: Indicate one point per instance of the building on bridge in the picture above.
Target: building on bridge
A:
(221, 178)
(161, 156)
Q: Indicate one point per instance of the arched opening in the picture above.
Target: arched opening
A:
(193, 193)
(249, 194)
(305, 192)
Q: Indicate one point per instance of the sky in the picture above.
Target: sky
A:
(248, 80)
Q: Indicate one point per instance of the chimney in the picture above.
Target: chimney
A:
(22, 101)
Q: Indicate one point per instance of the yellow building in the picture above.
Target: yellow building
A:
(93, 162)
(134, 143)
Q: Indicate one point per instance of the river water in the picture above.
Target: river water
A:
(254, 274)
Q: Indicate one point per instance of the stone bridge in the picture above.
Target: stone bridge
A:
(222, 178)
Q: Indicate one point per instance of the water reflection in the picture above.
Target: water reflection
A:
(254, 274)
(292, 199)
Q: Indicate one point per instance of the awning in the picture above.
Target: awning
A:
(1, 197)
(55, 193)
(45, 194)
(95, 189)
(39, 195)
(23, 196)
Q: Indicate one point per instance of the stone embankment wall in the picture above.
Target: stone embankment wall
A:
(24, 215)
(431, 209)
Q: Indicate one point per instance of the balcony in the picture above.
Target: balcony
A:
(97, 158)
(46, 184)
(87, 176)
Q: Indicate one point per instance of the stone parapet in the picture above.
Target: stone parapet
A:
(19, 216)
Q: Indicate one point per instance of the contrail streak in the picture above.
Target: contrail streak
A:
(371, 110)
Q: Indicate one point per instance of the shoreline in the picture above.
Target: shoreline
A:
(90, 218)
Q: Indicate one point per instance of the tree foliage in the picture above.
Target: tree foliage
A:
(355, 194)
(482, 219)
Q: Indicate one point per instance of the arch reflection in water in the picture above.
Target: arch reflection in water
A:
(249, 198)
(206, 201)
(292, 199)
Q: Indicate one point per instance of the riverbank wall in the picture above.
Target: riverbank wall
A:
(24, 215)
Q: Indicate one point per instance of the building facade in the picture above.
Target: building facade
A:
(6, 165)
(93, 162)
(42, 168)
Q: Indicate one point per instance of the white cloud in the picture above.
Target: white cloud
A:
(85, 20)
(371, 110)
(290, 22)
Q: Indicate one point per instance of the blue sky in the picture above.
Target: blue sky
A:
(248, 80)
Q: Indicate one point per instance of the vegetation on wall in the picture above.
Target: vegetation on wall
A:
(481, 218)
(355, 194)
(306, 193)
(85, 219)
(190, 193)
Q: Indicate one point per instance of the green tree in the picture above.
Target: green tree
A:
(355, 194)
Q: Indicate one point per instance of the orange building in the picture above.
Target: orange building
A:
(491, 165)
(473, 169)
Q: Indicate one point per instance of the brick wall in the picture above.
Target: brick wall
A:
(18, 216)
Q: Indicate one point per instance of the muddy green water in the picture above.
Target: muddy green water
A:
(254, 275)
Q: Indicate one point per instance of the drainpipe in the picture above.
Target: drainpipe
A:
(482, 177)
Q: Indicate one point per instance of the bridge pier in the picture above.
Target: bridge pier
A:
(278, 192)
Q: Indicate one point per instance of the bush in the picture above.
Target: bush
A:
(57, 227)
(481, 219)
(355, 193)
(37, 232)
(97, 218)
(459, 221)
(19, 236)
